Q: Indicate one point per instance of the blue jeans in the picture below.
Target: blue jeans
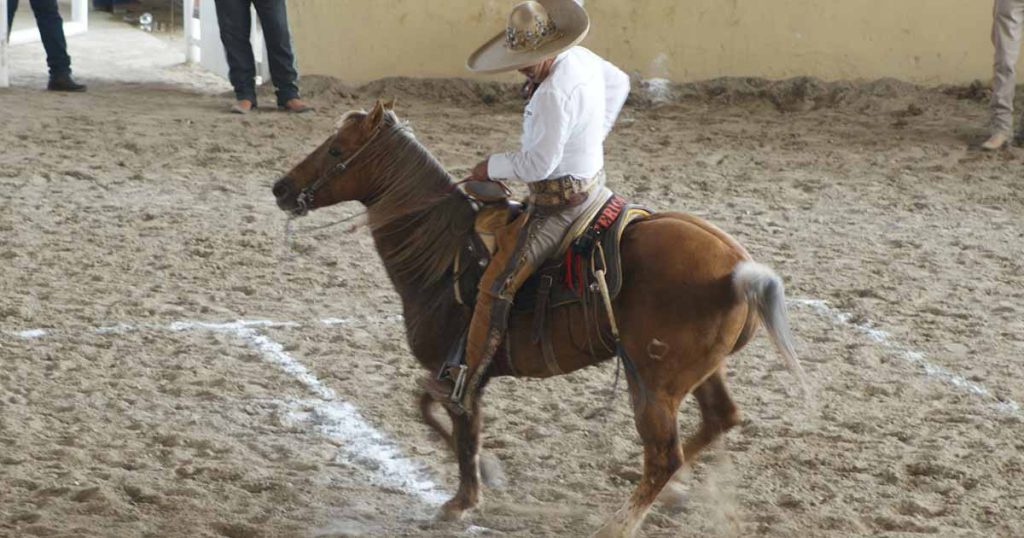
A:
(235, 23)
(51, 29)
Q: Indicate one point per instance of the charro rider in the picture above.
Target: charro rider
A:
(574, 99)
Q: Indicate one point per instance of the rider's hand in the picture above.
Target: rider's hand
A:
(479, 172)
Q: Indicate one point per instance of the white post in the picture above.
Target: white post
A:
(259, 50)
(79, 23)
(80, 14)
(191, 48)
(5, 80)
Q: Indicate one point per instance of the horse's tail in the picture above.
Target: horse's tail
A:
(766, 297)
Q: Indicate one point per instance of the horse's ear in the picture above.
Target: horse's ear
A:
(374, 118)
(390, 103)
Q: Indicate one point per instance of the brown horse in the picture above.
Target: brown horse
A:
(690, 297)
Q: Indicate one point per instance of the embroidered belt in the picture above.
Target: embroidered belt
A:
(562, 191)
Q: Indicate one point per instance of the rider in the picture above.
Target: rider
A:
(574, 99)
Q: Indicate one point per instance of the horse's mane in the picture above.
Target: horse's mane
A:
(418, 221)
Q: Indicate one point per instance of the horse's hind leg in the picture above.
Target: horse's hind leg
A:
(466, 433)
(718, 413)
(658, 429)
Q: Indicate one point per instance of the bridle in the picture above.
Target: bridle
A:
(305, 198)
(304, 201)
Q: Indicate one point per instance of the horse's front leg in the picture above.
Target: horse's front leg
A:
(466, 434)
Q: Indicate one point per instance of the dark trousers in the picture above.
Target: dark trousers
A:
(51, 29)
(235, 26)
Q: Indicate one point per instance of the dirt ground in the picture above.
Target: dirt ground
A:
(134, 207)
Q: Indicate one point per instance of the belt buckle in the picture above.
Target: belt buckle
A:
(558, 191)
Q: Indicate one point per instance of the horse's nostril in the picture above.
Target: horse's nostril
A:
(281, 188)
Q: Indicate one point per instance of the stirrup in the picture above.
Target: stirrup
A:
(456, 359)
(460, 384)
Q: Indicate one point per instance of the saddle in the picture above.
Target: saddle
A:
(592, 243)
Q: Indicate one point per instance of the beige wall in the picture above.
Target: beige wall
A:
(925, 41)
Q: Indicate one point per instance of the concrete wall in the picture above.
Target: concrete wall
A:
(924, 41)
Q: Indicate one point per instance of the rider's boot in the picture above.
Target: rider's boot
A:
(486, 332)
(509, 267)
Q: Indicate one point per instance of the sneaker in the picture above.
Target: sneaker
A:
(996, 142)
(64, 83)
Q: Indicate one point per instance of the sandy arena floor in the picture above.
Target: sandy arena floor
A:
(132, 214)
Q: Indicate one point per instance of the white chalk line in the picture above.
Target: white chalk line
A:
(363, 446)
(909, 355)
(121, 328)
(839, 317)
(366, 447)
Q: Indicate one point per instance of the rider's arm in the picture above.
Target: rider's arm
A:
(616, 90)
(546, 127)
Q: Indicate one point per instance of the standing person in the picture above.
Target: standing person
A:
(1007, 27)
(235, 24)
(575, 97)
(51, 30)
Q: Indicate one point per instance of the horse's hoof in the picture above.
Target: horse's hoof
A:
(612, 530)
(453, 510)
(610, 533)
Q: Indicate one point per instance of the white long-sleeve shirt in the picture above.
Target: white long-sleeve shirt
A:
(566, 121)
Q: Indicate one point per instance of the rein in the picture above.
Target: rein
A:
(504, 186)
(290, 231)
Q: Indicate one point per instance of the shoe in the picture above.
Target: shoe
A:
(243, 106)
(295, 106)
(996, 142)
(64, 83)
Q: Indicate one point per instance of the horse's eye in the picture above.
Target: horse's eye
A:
(334, 152)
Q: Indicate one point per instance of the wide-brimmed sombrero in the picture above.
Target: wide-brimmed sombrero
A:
(536, 31)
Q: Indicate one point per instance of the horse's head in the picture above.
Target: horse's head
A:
(336, 171)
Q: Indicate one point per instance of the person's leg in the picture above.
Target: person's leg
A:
(51, 29)
(274, 20)
(522, 247)
(1008, 18)
(1019, 17)
(235, 25)
(12, 6)
(496, 291)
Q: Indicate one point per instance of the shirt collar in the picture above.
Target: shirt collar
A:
(558, 59)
